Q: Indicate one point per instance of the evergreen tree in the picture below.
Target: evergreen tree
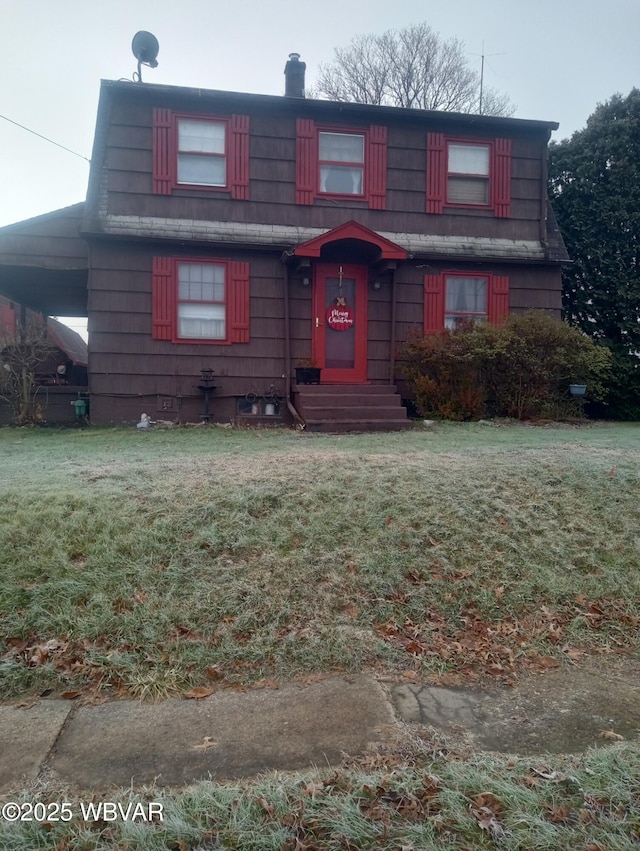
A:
(595, 188)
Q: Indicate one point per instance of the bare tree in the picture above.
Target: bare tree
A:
(412, 67)
(19, 362)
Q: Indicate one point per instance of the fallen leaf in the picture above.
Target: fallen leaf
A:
(550, 775)
(70, 695)
(266, 806)
(214, 672)
(207, 743)
(559, 815)
(310, 679)
(314, 789)
(546, 662)
(412, 676)
(198, 693)
(611, 736)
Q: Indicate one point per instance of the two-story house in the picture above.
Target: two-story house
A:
(240, 233)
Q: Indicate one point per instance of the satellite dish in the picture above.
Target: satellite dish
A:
(145, 48)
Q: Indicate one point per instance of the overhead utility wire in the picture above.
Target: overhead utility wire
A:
(46, 139)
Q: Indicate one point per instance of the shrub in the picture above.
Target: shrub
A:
(521, 368)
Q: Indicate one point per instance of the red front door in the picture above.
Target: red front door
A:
(340, 322)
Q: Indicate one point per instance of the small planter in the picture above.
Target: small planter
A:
(577, 389)
(308, 374)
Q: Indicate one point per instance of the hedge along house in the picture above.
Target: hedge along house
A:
(240, 233)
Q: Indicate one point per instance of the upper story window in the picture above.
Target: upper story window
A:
(200, 301)
(202, 149)
(200, 152)
(346, 164)
(468, 174)
(341, 160)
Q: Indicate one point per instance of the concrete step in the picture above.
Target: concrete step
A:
(330, 400)
(350, 407)
(349, 411)
(356, 425)
(346, 389)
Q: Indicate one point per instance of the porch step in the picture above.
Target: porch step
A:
(350, 407)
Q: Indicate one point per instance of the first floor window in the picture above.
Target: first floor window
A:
(202, 152)
(468, 174)
(201, 301)
(451, 297)
(465, 299)
(341, 157)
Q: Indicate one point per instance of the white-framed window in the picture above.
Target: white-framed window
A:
(341, 161)
(202, 152)
(468, 173)
(201, 301)
(465, 298)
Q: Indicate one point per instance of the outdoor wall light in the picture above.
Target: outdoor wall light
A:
(306, 280)
(376, 284)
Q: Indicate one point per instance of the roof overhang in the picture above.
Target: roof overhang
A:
(387, 249)
(44, 263)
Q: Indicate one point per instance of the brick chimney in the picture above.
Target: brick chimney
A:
(294, 77)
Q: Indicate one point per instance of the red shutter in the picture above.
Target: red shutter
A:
(436, 172)
(433, 303)
(498, 300)
(377, 167)
(163, 298)
(162, 165)
(238, 302)
(502, 178)
(238, 164)
(306, 161)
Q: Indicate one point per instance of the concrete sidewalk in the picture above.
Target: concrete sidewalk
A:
(175, 742)
(298, 725)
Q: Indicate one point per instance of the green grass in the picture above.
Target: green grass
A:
(429, 798)
(133, 563)
(146, 564)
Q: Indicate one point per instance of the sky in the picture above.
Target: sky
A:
(555, 59)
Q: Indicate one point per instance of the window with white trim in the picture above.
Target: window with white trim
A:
(341, 160)
(468, 173)
(202, 149)
(201, 301)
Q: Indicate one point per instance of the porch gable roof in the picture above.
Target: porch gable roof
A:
(351, 230)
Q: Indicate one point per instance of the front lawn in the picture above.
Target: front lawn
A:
(147, 564)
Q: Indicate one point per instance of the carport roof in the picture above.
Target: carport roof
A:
(44, 263)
